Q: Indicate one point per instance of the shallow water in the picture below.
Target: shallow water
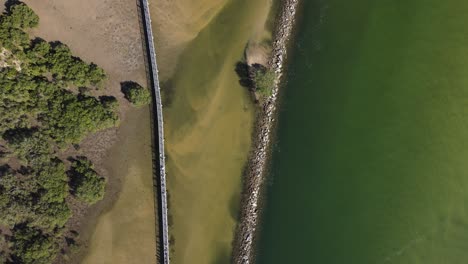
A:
(208, 125)
(371, 161)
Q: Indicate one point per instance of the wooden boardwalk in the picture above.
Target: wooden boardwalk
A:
(158, 134)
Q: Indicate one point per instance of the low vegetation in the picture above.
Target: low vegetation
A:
(264, 80)
(42, 113)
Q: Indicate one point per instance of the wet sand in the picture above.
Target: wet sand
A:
(208, 127)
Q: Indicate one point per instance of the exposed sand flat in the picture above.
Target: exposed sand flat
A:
(208, 134)
(176, 23)
(107, 32)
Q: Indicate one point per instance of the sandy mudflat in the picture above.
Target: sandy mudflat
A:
(107, 32)
(125, 234)
(208, 121)
(176, 23)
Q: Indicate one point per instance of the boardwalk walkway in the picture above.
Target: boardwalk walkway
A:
(158, 134)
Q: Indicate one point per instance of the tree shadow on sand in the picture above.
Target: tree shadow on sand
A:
(245, 76)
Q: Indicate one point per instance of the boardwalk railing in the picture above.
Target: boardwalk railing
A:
(158, 133)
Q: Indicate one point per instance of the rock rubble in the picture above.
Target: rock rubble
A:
(244, 244)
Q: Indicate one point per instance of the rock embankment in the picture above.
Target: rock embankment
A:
(244, 244)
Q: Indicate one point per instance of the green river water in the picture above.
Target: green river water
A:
(371, 160)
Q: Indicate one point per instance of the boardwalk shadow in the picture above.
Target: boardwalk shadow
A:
(161, 248)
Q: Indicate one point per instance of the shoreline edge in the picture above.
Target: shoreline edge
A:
(244, 243)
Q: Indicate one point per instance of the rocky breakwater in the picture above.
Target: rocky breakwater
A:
(244, 244)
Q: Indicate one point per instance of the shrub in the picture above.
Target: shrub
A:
(3, 257)
(264, 80)
(136, 94)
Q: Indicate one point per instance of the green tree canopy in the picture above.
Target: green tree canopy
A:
(86, 184)
(32, 246)
(29, 145)
(12, 25)
(136, 94)
(53, 180)
(21, 16)
(64, 66)
(43, 110)
(70, 118)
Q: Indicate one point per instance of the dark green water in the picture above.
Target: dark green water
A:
(371, 164)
